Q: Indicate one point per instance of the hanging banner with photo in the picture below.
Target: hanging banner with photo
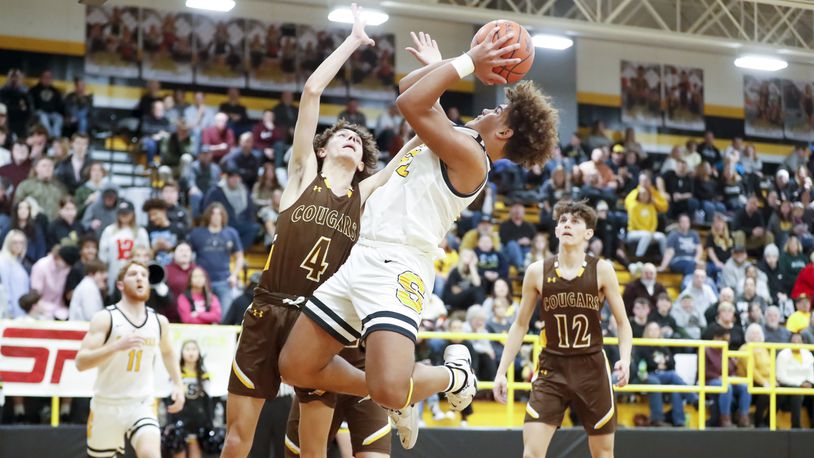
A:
(219, 45)
(763, 107)
(798, 110)
(166, 46)
(684, 96)
(314, 45)
(641, 93)
(373, 69)
(111, 41)
(272, 51)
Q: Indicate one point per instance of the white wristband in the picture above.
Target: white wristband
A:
(464, 65)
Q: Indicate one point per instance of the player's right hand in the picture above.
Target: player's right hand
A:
(130, 342)
(424, 48)
(487, 55)
(501, 388)
(359, 23)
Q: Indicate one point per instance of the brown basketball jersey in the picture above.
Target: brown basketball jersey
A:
(314, 237)
(570, 309)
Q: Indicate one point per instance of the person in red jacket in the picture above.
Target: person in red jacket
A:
(218, 138)
(179, 269)
(805, 281)
(198, 305)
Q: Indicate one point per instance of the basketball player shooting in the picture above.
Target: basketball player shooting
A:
(123, 341)
(378, 295)
(573, 369)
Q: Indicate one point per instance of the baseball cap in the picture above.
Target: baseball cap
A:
(125, 207)
(69, 254)
(602, 206)
(617, 148)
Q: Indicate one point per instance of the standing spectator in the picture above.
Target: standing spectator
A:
(801, 316)
(245, 159)
(155, 130)
(516, 234)
(684, 248)
(266, 135)
(88, 296)
(463, 286)
(14, 95)
(774, 332)
(285, 115)
(352, 114)
(43, 187)
(22, 219)
(714, 368)
(690, 321)
(197, 305)
(151, 95)
(218, 139)
(266, 193)
(65, 228)
(760, 374)
(751, 227)
(48, 106)
(387, 127)
(79, 107)
(708, 191)
(175, 212)
(215, 242)
(641, 316)
(74, 169)
(91, 188)
(164, 234)
(202, 176)
(179, 269)
(119, 239)
(102, 213)
(236, 111)
(681, 189)
(235, 197)
(198, 117)
(719, 246)
(643, 205)
(647, 287)
(48, 276)
(13, 275)
(20, 166)
(795, 369)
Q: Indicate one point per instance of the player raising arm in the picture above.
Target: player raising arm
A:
(573, 368)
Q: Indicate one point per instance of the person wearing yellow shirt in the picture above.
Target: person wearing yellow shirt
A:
(470, 240)
(643, 206)
(799, 319)
(762, 372)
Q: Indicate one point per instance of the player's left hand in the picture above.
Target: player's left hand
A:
(358, 31)
(424, 48)
(178, 399)
(622, 371)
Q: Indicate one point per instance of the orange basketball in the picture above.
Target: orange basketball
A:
(516, 72)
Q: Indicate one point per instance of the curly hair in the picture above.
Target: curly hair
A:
(370, 152)
(580, 209)
(534, 121)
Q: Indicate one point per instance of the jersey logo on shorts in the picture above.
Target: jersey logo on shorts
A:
(256, 313)
(551, 280)
(411, 291)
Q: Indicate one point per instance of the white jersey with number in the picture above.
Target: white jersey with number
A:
(418, 205)
(128, 374)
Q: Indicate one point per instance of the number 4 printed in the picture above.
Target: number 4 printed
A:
(314, 261)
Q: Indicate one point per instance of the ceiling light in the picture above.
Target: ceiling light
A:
(557, 42)
(769, 64)
(345, 15)
(211, 5)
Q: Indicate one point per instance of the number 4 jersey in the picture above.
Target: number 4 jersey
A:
(570, 309)
(314, 237)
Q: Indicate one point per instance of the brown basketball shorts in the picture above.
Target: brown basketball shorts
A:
(368, 424)
(582, 382)
(255, 369)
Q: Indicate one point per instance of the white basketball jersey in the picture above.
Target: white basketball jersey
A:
(129, 374)
(417, 206)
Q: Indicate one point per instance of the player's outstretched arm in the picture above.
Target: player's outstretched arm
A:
(302, 167)
(371, 183)
(610, 287)
(94, 350)
(172, 365)
(519, 328)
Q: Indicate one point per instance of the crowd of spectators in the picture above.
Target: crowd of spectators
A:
(65, 229)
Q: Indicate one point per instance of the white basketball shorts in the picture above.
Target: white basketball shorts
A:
(111, 422)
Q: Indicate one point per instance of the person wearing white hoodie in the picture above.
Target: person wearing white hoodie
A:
(795, 368)
(118, 240)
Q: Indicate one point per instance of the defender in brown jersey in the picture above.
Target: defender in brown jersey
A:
(571, 288)
(317, 226)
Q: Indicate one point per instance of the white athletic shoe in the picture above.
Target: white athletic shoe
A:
(407, 425)
(457, 358)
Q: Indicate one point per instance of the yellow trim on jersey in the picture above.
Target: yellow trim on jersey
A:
(604, 420)
(377, 435)
(291, 446)
(241, 376)
(268, 260)
(532, 413)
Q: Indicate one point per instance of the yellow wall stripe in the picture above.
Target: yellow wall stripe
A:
(70, 48)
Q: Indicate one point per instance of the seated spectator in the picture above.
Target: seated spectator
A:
(14, 95)
(20, 166)
(808, 333)
(266, 194)
(501, 290)
(178, 144)
(761, 283)
(516, 234)
(164, 234)
(118, 240)
(539, 250)
(719, 246)
(647, 287)
(681, 189)
(91, 188)
(79, 107)
(236, 111)
(670, 162)
(781, 223)
(751, 228)
(748, 298)
(702, 294)
(13, 275)
(22, 219)
(236, 199)
(48, 276)
(102, 212)
(803, 221)
(197, 305)
(491, 264)
(214, 243)
(795, 369)
(802, 314)
(691, 156)
(5, 153)
(151, 94)
(65, 228)
(476, 322)
(202, 176)
(72, 172)
(760, 374)
(43, 187)
(708, 191)
(597, 138)
(285, 116)
(597, 166)
(155, 129)
(663, 317)
(641, 316)
(463, 286)
(772, 330)
(754, 316)
(245, 159)
(387, 126)
(727, 320)
(266, 135)
(555, 189)
(352, 114)
(175, 212)
(793, 260)
(726, 294)
(218, 139)
(88, 251)
(606, 241)
(684, 248)
(48, 103)
(657, 367)
(470, 239)
(714, 367)
(734, 270)
(89, 295)
(179, 269)
(574, 150)
(643, 205)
